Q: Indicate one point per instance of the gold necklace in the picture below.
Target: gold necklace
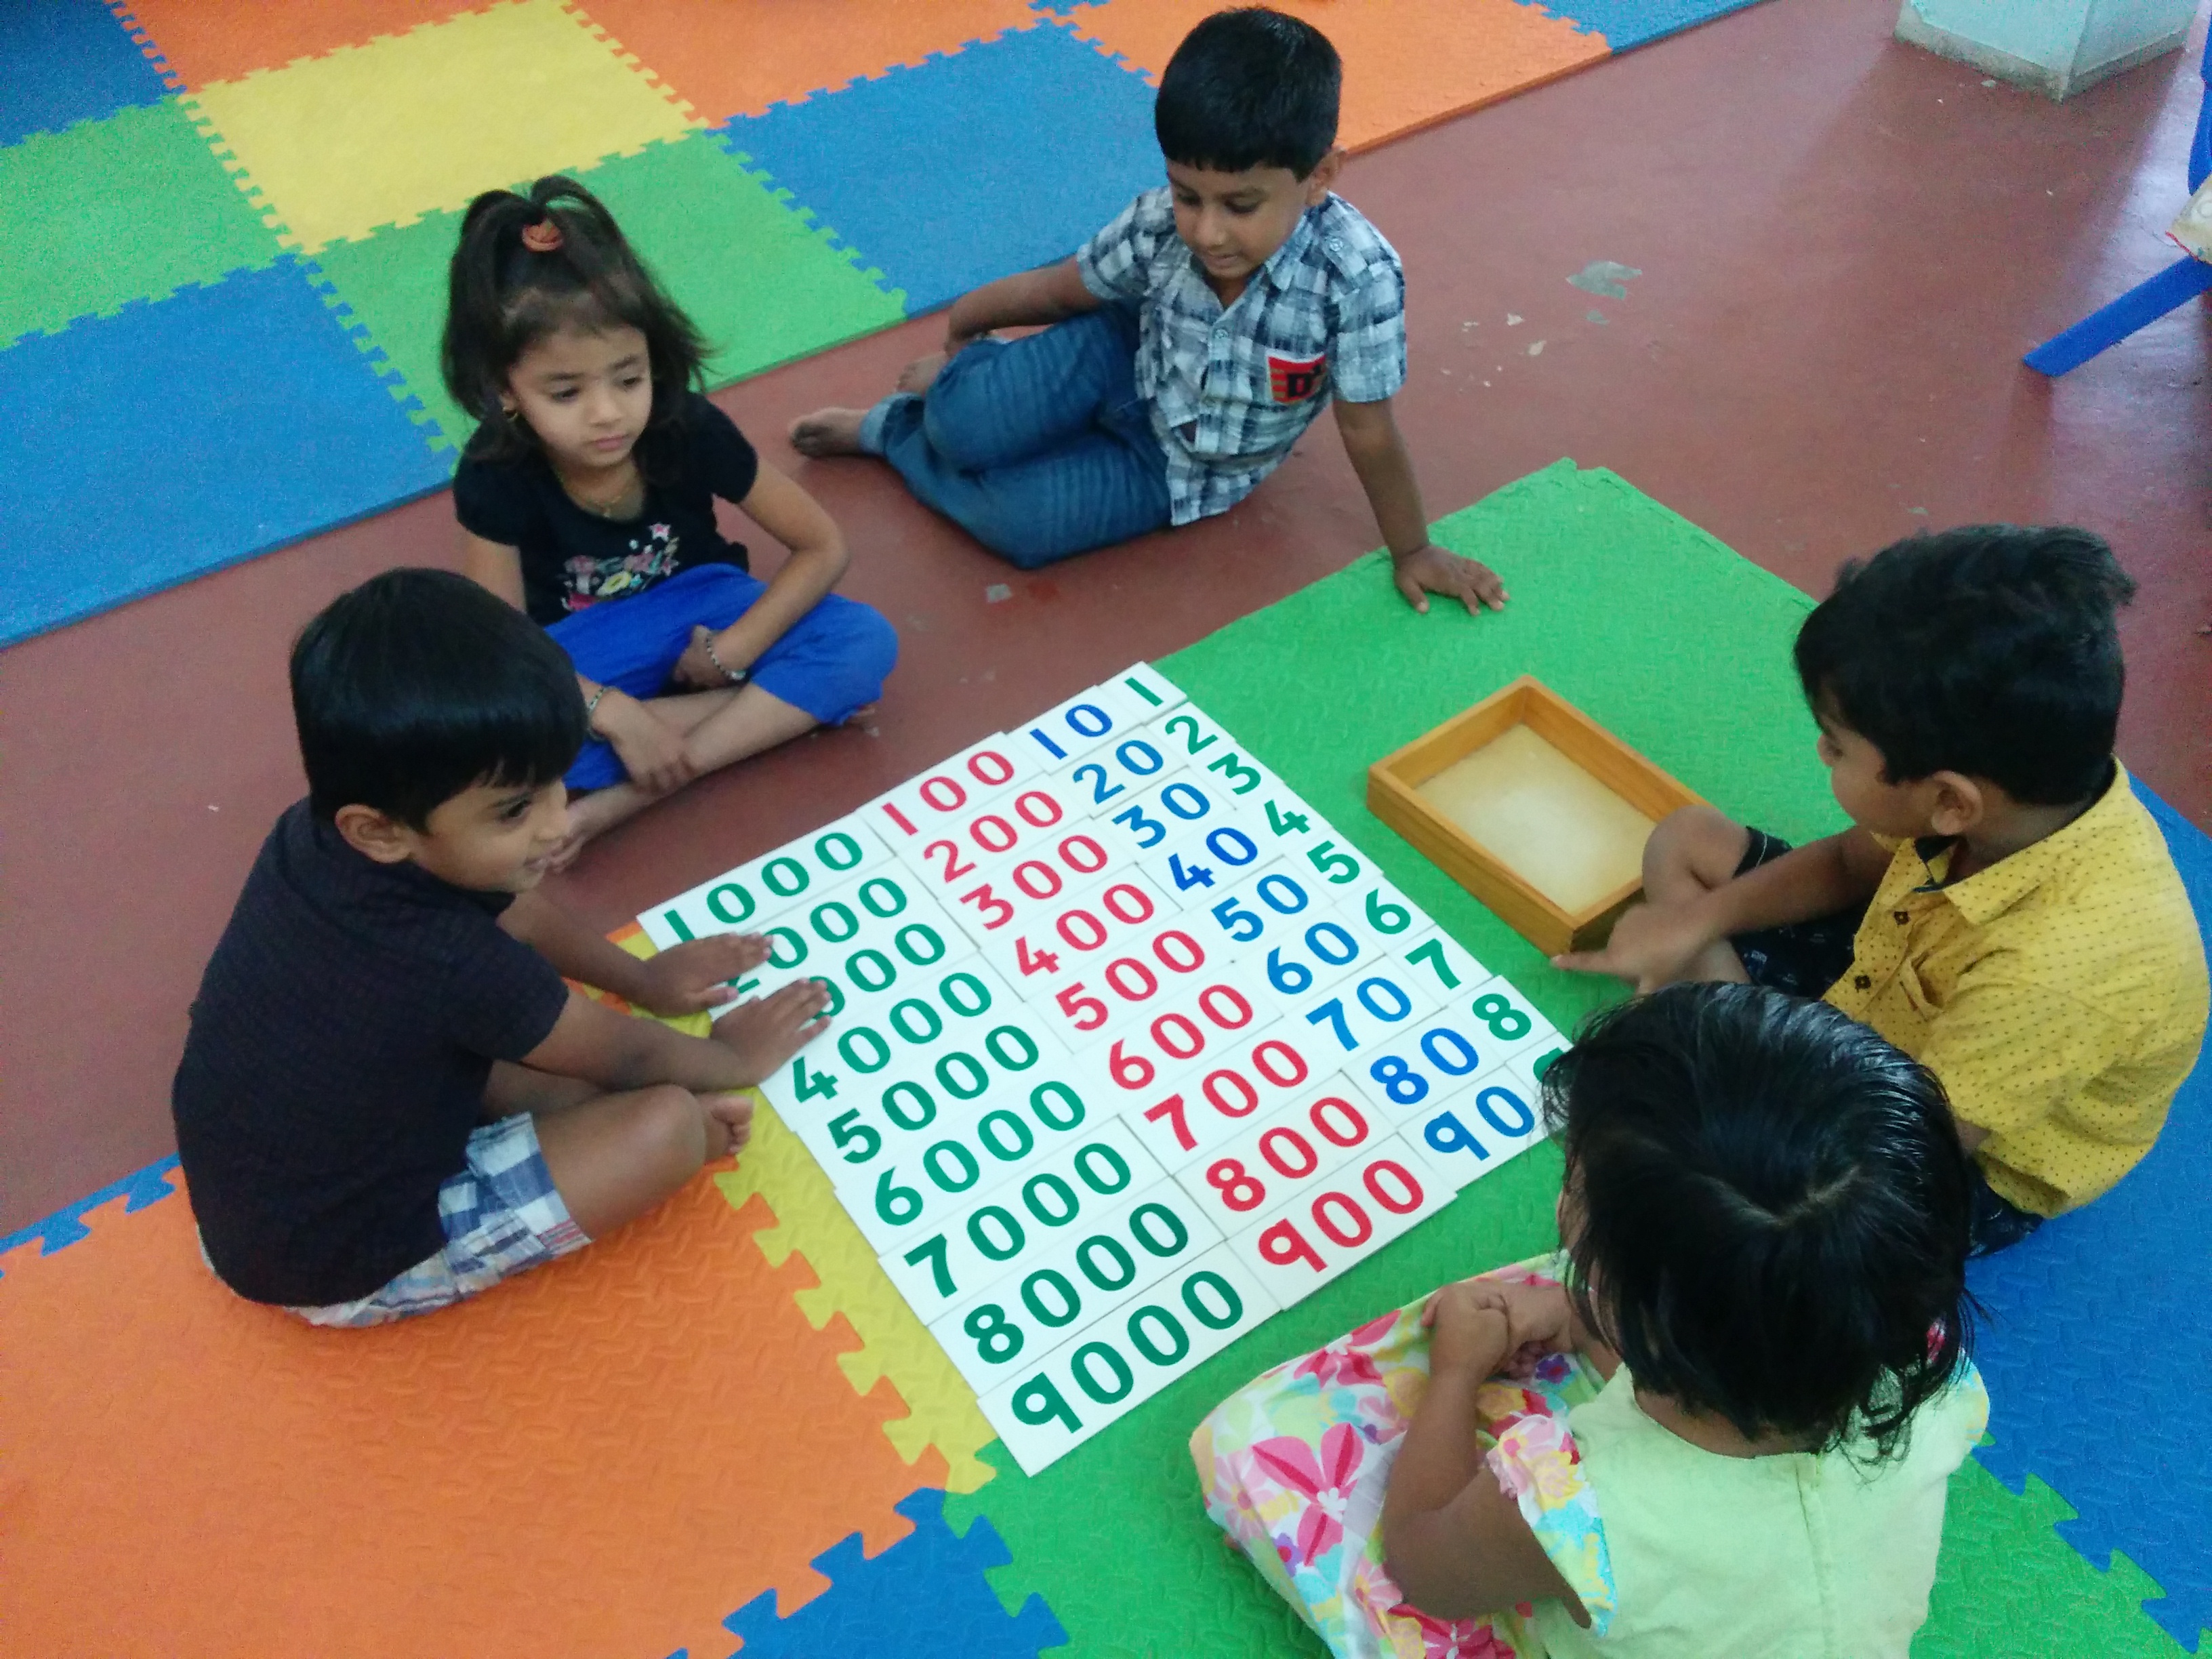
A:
(607, 510)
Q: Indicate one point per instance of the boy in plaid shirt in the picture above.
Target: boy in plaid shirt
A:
(1194, 339)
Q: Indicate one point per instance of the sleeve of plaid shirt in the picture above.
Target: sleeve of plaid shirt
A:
(1116, 264)
(1367, 353)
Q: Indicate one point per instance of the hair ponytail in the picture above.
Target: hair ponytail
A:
(528, 265)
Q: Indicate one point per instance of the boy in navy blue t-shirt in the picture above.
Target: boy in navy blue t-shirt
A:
(389, 1099)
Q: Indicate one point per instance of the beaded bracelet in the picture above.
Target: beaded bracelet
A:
(734, 675)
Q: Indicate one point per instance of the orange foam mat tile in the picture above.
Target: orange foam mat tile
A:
(606, 1455)
(204, 40)
(1407, 65)
(727, 57)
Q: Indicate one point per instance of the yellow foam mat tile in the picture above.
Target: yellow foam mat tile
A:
(380, 134)
(777, 1168)
(809, 1223)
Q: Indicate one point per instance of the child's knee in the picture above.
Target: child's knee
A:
(1693, 849)
(875, 644)
(959, 414)
(668, 1130)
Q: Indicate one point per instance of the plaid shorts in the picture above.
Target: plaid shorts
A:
(501, 1215)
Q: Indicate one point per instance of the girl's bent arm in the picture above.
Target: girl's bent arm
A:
(497, 568)
(493, 567)
(1455, 1541)
(818, 560)
(652, 754)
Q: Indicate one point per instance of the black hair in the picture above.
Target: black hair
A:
(1771, 1211)
(418, 684)
(1988, 650)
(1250, 88)
(503, 295)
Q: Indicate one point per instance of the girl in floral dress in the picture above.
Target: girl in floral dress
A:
(1720, 1421)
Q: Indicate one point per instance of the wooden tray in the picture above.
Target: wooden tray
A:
(1396, 795)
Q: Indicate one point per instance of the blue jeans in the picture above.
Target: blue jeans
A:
(1038, 447)
(830, 662)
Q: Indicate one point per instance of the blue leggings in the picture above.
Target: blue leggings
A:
(832, 660)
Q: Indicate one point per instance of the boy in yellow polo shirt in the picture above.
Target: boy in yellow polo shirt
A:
(2002, 908)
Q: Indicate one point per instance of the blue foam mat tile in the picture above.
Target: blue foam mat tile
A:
(2098, 1345)
(1050, 139)
(924, 1597)
(65, 1227)
(68, 61)
(1626, 23)
(140, 450)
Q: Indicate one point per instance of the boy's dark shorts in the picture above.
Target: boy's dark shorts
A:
(1804, 958)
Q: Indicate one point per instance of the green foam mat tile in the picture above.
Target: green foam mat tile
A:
(1653, 628)
(132, 207)
(1114, 1536)
(2008, 1585)
(764, 283)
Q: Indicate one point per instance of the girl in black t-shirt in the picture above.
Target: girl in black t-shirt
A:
(588, 496)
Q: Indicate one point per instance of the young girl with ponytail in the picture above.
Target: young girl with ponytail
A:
(587, 495)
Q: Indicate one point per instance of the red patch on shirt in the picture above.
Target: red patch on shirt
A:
(1295, 379)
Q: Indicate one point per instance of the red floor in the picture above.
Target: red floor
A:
(1846, 245)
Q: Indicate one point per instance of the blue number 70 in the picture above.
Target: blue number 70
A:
(1332, 1013)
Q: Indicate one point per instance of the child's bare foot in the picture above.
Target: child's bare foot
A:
(828, 432)
(591, 815)
(916, 375)
(729, 1123)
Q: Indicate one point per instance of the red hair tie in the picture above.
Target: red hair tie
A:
(543, 237)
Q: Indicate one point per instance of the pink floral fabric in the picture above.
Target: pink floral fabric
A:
(1295, 1467)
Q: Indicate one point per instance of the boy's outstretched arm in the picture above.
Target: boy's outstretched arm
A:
(1420, 567)
(681, 980)
(620, 1052)
(1656, 944)
(1050, 295)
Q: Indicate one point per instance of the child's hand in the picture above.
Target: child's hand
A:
(1504, 1327)
(652, 752)
(1468, 1329)
(730, 1123)
(763, 1032)
(1429, 569)
(696, 668)
(688, 977)
(1540, 1321)
(1652, 945)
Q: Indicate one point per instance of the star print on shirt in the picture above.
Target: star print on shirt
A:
(590, 581)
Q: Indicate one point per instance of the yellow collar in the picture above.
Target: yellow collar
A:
(1987, 894)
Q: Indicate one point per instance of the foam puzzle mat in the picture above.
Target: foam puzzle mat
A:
(730, 1430)
(282, 179)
